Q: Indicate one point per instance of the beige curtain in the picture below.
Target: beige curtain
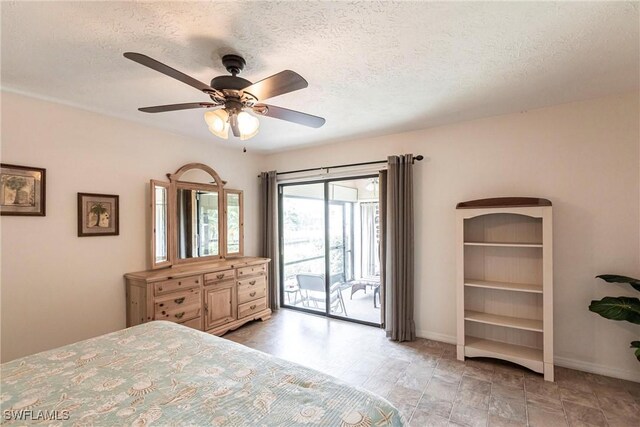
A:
(268, 231)
(399, 323)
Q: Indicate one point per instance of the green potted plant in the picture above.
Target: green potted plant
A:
(620, 308)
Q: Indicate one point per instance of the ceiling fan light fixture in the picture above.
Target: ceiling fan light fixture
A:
(218, 122)
(233, 97)
(248, 125)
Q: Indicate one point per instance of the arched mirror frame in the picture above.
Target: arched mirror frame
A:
(173, 186)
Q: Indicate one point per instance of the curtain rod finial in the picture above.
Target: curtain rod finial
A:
(419, 157)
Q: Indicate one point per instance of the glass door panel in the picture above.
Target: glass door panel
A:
(354, 290)
(337, 256)
(336, 242)
(303, 246)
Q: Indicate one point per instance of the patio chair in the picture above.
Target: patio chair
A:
(313, 291)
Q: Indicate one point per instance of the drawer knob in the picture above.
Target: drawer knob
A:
(161, 304)
(160, 288)
(220, 276)
(253, 282)
(252, 294)
(179, 315)
(197, 281)
(179, 283)
(253, 307)
(179, 300)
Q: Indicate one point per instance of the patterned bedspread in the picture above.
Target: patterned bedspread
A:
(160, 373)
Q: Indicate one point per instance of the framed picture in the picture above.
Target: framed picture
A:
(22, 190)
(98, 215)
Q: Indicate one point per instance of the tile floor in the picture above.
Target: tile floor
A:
(426, 382)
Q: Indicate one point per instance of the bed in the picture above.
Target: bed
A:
(161, 373)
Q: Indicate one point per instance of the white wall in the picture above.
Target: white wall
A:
(58, 288)
(583, 156)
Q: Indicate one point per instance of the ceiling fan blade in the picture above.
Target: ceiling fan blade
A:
(176, 107)
(289, 115)
(171, 72)
(284, 82)
(235, 128)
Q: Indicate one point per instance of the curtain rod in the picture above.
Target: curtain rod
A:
(418, 158)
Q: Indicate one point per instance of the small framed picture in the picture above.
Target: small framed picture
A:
(98, 215)
(22, 190)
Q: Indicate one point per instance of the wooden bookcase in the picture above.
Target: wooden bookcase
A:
(505, 281)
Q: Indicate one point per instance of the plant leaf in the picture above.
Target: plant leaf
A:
(636, 345)
(614, 278)
(618, 308)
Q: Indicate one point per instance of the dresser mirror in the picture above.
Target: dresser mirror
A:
(234, 222)
(159, 223)
(198, 221)
(194, 218)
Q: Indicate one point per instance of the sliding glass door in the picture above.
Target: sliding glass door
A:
(302, 252)
(329, 248)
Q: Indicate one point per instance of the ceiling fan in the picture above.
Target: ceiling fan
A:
(233, 97)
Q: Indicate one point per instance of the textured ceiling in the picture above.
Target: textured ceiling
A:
(373, 68)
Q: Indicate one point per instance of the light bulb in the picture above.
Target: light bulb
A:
(248, 125)
(217, 125)
(218, 122)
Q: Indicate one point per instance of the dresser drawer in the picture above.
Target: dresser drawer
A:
(181, 314)
(219, 276)
(248, 308)
(167, 286)
(177, 300)
(252, 270)
(248, 292)
(252, 281)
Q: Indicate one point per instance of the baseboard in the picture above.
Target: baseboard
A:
(435, 336)
(596, 368)
(565, 362)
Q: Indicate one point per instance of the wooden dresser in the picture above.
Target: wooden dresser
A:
(215, 296)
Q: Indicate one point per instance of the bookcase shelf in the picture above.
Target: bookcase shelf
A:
(528, 357)
(505, 281)
(505, 244)
(506, 321)
(506, 286)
